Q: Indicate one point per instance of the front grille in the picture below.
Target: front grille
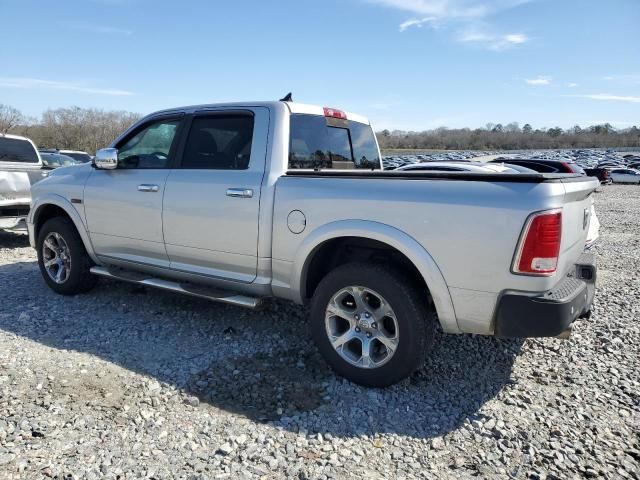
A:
(22, 211)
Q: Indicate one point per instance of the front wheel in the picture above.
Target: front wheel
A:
(62, 258)
(371, 324)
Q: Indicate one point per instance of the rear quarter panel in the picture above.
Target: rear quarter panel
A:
(469, 228)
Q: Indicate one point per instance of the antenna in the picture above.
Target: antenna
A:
(287, 98)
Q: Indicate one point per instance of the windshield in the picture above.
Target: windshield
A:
(318, 142)
(80, 156)
(55, 160)
(17, 150)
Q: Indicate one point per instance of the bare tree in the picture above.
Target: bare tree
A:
(90, 129)
(10, 118)
(78, 128)
(510, 137)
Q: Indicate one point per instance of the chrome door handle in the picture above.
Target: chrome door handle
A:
(240, 192)
(145, 187)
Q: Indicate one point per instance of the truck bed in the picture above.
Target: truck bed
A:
(469, 224)
(459, 176)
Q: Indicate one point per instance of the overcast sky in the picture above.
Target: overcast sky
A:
(406, 64)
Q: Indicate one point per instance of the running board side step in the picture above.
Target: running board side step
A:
(201, 291)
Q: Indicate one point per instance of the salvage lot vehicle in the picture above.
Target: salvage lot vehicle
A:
(241, 202)
(543, 165)
(625, 175)
(52, 160)
(78, 155)
(462, 167)
(20, 167)
(601, 174)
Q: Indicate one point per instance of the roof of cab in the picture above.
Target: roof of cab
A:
(293, 107)
(15, 137)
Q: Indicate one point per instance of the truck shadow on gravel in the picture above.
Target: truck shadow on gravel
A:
(10, 239)
(261, 365)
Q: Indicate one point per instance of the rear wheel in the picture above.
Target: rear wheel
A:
(371, 324)
(62, 258)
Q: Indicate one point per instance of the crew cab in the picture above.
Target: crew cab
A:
(242, 202)
(20, 167)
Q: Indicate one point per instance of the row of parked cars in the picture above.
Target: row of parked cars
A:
(21, 165)
(608, 169)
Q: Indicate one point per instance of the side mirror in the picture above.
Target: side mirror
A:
(106, 159)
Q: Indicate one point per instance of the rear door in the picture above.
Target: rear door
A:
(632, 176)
(212, 197)
(622, 176)
(124, 206)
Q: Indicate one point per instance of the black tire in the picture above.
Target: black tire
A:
(79, 279)
(415, 319)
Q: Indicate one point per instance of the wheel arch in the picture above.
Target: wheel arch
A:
(54, 206)
(374, 235)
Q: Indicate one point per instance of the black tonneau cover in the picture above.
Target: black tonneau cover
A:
(460, 176)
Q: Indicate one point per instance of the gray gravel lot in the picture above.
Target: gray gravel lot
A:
(131, 383)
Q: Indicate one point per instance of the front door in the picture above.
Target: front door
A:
(212, 197)
(124, 206)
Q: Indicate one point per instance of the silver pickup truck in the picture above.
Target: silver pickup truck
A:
(245, 201)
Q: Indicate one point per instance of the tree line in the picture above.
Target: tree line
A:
(74, 128)
(511, 137)
(90, 129)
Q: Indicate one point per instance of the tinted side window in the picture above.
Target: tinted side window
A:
(219, 142)
(16, 150)
(149, 147)
(318, 143)
(365, 148)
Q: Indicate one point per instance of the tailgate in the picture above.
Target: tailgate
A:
(576, 215)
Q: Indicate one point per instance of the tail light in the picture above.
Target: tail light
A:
(334, 113)
(567, 168)
(539, 246)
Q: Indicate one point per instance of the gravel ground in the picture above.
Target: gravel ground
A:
(131, 383)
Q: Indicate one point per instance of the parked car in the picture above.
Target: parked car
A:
(80, 156)
(601, 174)
(625, 175)
(543, 165)
(244, 201)
(56, 160)
(461, 167)
(20, 166)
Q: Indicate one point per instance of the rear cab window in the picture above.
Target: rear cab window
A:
(17, 150)
(318, 142)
